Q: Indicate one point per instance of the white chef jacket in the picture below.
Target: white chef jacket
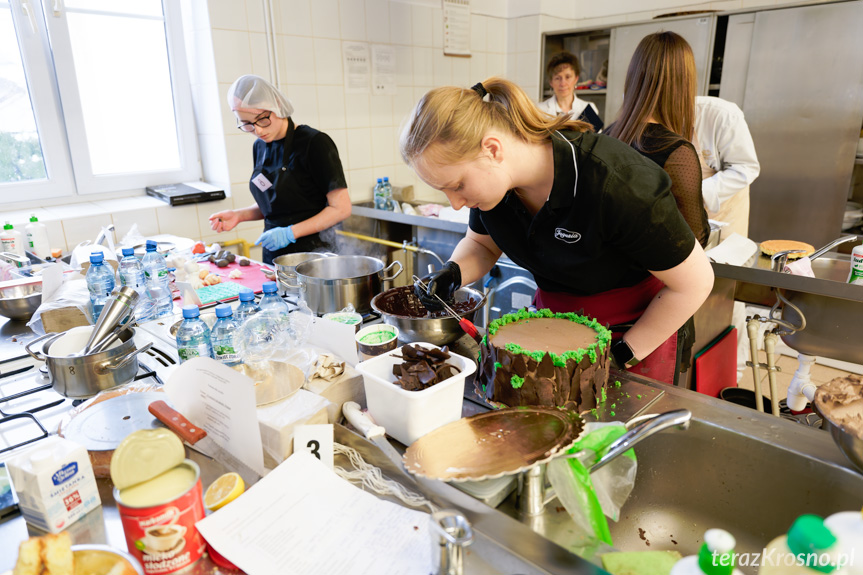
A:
(725, 144)
(578, 105)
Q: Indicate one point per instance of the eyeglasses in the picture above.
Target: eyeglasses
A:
(250, 126)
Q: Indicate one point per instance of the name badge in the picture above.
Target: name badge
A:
(262, 182)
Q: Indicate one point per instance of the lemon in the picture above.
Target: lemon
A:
(223, 490)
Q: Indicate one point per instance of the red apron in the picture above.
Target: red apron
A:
(615, 307)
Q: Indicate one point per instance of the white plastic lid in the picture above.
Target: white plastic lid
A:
(719, 540)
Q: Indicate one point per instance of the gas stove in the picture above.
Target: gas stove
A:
(30, 410)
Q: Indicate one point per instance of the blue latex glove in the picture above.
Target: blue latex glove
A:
(277, 238)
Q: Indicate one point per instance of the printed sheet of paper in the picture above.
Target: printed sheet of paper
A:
(222, 402)
(456, 27)
(383, 69)
(337, 338)
(357, 67)
(304, 519)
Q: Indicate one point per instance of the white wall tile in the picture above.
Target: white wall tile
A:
(403, 104)
(212, 115)
(400, 23)
(325, 21)
(255, 16)
(78, 229)
(477, 33)
(511, 37)
(559, 8)
(340, 139)
(423, 64)
(528, 34)
(496, 36)
(512, 66)
(352, 16)
(527, 68)
(383, 146)
(442, 69)
(359, 148)
(421, 25)
(331, 107)
(146, 221)
(404, 175)
(478, 67)
(519, 8)
(241, 195)
(404, 66)
(378, 21)
(228, 15)
(297, 59)
(361, 183)
(328, 61)
(437, 27)
(204, 210)
(357, 113)
(381, 110)
(260, 54)
(495, 65)
(461, 72)
(238, 149)
(76, 210)
(214, 158)
(295, 17)
(56, 236)
(232, 54)
(305, 102)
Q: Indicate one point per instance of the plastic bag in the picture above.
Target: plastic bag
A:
(71, 293)
(589, 498)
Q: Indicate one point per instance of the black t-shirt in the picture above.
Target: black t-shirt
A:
(610, 217)
(303, 167)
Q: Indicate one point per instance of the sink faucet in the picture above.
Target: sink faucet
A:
(779, 259)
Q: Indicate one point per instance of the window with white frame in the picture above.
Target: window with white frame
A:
(94, 98)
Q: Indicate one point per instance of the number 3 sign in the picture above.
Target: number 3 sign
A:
(317, 440)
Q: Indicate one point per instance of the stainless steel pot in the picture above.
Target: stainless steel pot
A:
(286, 268)
(330, 284)
(436, 330)
(86, 375)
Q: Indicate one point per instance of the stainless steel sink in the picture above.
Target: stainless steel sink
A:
(832, 324)
(746, 472)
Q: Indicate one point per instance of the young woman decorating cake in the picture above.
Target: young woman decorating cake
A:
(588, 216)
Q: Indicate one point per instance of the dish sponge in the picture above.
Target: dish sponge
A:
(640, 562)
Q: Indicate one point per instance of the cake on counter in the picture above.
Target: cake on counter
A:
(544, 358)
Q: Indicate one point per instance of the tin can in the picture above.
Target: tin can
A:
(162, 536)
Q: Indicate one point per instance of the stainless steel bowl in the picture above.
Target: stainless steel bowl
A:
(19, 302)
(437, 330)
(851, 445)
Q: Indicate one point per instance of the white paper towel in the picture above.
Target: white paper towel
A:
(734, 250)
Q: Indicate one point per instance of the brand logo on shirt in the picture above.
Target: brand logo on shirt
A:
(567, 236)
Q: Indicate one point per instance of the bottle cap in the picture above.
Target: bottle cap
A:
(128, 252)
(96, 257)
(270, 287)
(152, 245)
(190, 311)
(808, 535)
(246, 294)
(224, 310)
(386, 179)
(716, 556)
(380, 180)
(33, 218)
(8, 226)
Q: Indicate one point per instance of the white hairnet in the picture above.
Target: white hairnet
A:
(251, 91)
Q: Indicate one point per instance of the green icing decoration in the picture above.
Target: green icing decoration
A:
(516, 381)
(603, 396)
(498, 365)
(617, 384)
(613, 414)
(603, 336)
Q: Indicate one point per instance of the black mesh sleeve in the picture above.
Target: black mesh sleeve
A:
(685, 172)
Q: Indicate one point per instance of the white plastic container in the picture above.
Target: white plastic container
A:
(855, 276)
(408, 415)
(12, 240)
(55, 483)
(37, 237)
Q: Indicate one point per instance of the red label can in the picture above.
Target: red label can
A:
(161, 534)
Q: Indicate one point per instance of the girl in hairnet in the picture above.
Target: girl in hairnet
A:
(298, 183)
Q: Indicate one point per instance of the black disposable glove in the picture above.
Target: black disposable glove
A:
(443, 283)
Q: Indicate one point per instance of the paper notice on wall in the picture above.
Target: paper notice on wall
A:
(383, 69)
(220, 401)
(357, 67)
(456, 27)
(303, 518)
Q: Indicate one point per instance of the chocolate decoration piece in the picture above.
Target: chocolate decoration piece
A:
(422, 368)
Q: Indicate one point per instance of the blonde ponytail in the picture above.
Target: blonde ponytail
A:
(457, 119)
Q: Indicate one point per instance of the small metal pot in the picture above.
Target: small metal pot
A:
(286, 268)
(437, 330)
(84, 376)
(330, 284)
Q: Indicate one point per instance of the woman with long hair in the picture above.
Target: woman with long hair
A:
(657, 118)
(590, 218)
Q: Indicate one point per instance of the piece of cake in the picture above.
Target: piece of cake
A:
(544, 358)
(29, 557)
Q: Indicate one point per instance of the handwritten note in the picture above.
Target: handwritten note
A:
(222, 402)
(302, 518)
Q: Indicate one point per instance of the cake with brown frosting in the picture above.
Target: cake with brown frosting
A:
(544, 358)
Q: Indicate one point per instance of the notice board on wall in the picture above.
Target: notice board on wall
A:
(456, 27)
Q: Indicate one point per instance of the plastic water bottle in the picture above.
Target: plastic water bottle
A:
(380, 200)
(271, 299)
(224, 336)
(100, 283)
(247, 307)
(193, 335)
(847, 526)
(388, 195)
(37, 237)
(155, 268)
(132, 272)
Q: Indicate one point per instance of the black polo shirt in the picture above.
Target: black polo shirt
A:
(610, 217)
(303, 167)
